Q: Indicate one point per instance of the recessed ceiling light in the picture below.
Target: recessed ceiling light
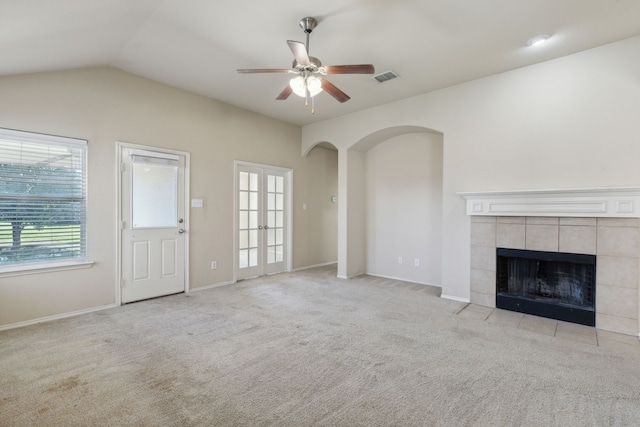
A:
(538, 40)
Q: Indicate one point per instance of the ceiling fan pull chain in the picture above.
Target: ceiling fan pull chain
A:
(306, 90)
(313, 105)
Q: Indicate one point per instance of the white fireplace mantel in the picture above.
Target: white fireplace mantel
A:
(620, 202)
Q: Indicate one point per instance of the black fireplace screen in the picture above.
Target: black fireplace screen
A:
(549, 284)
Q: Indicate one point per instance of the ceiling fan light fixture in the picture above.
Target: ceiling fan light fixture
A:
(300, 85)
(314, 85)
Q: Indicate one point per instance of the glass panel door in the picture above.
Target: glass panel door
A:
(248, 211)
(275, 220)
(262, 221)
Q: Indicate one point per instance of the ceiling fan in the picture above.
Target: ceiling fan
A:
(310, 73)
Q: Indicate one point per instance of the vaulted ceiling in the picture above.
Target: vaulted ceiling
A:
(197, 45)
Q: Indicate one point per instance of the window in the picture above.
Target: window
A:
(43, 193)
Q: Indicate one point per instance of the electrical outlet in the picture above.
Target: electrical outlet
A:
(416, 262)
(214, 265)
(399, 260)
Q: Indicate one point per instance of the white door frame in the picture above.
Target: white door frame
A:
(288, 208)
(120, 147)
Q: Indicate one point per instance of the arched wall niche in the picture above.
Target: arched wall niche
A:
(411, 158)
(318, 207)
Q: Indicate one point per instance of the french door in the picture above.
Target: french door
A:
(262, 220)
(152, 223)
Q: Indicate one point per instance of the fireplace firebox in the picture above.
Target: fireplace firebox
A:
(549, 284)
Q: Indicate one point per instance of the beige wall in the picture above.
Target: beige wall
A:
(104, 105)
(404, 208)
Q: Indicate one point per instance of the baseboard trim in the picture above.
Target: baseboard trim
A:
(56, 317)
(215, 285)
(402, 280)
(353, 276)
(314, 266)
(451, 297)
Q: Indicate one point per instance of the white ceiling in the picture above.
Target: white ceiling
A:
(198, 44)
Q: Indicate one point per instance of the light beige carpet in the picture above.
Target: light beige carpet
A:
(305, 349)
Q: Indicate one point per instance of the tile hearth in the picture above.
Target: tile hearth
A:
(550, 327)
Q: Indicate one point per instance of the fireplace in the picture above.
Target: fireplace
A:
(603, 222)
(549, 284)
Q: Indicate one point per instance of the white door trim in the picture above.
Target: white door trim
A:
(120, 146)
(288, 207)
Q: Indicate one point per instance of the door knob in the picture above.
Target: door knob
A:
(259, 227)
(266, 227)
(181, 231)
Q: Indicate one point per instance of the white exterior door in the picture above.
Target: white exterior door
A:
(263, 220)
(153, 224)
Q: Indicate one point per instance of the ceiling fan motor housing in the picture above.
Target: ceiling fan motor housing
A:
(308, 24)
(314, 65)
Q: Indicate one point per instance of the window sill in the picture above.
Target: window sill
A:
(23, 270)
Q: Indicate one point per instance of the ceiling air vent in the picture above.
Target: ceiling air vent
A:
(386, 76)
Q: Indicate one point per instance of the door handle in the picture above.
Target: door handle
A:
(181, 231)
(266, 227)
(260, 227)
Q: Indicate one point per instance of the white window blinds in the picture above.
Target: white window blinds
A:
(43, 191)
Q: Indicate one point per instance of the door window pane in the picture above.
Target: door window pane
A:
(243, 181)
(243, 202)
(243, 258)
(244, 239)
(253, 219)
(243, 220)
(154, 192)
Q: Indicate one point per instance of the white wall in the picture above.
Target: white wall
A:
(570, 122)
(356, 213)
(103, 105)
(404, 208)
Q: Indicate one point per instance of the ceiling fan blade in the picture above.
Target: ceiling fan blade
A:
(299, 52)
(332, 90)
(285, 93)
(262, 70)
(350, 69)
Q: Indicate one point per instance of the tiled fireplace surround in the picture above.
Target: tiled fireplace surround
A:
(556, 221)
